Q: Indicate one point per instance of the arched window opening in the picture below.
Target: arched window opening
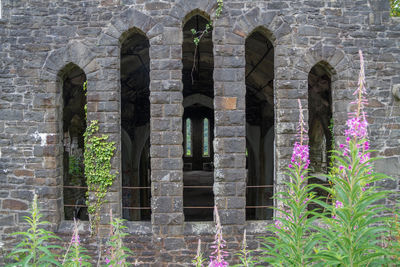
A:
(198, 94)
(259, 126)
(135, 128)
(74, 126)
(320, 118)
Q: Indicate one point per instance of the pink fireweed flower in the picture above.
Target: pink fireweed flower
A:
(365, 187)
(278, 224)
(338, 204)
(300, 155)
(75, 239)
(217, 256)
(108, 260)
(357, 125)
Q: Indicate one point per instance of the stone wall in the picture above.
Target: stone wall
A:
(39, 38)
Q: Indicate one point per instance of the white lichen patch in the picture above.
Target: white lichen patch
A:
(40, 136)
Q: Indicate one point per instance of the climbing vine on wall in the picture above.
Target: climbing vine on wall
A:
(97, 160)
(98, 154)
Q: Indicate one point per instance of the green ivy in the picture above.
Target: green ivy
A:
(97, 158)
(395, 8)
(85, 90)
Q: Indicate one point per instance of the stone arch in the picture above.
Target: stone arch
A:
(184, 9)
(336, 62)
(195, 12)
(122, 26)
(333, 58)
(74, 51)
(255, 18)
(198, 99)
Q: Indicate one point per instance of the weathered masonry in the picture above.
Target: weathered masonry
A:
(187, 137)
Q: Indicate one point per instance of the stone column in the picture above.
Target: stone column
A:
(230, 129)
(166, 137)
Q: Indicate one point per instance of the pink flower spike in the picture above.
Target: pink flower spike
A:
(217, 256)
(338, 204)
(108, 260)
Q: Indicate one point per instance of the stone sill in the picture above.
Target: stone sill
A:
(208, 228)
(67, 227)
(190, 228)
(137, 228)
(257, 227)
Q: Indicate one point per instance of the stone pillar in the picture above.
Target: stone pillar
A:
(166, 137)
(230, 128)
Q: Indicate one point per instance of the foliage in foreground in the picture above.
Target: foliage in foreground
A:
(293, 243)
(33, 250)
(354, 226)
(117, 252)
(352, 231)
(75, 255)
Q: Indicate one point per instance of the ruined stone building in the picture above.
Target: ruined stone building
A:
(193, 127)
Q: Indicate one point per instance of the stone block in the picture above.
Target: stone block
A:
(174, 243)
(13, 204)
(162, 204)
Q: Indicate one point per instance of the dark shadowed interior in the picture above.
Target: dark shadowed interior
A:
(135, 127)
(74, 126)
(259, 126)
(320, 117)
(198, 122)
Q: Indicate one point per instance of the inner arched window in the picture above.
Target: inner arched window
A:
(74, 125)
(259, 126)
(198, 121)
(135, 127)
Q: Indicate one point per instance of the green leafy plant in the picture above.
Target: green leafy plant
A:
(33, 250)
(117, 253)
(357, 225)
(293, 242)
(395, 8)
(84, 88)
(75, 255)
(97, 159)
(245, 255)
(74, 166)
(199, 260)
(199, 34)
